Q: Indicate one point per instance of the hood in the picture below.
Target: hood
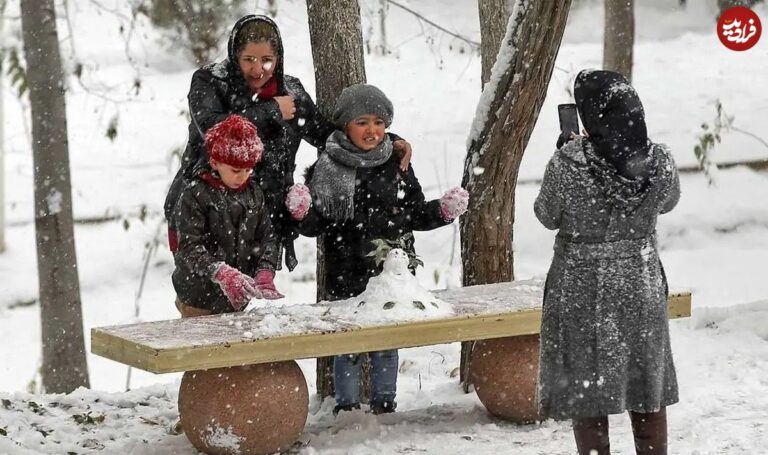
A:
(613, 116)
(232, 58)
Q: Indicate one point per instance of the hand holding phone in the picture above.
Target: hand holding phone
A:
(569, 122)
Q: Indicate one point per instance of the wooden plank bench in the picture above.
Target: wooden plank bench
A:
(243, 386)
(482, 312)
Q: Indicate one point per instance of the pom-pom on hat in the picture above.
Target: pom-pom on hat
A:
(234, 141)
(362, 99)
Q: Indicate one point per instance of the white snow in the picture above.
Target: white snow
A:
(53, 201)
(714, 243)
(500, 68)
(222, 438)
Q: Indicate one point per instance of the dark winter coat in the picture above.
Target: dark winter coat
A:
(389, 204)
(219, 90)
(605, 345)
(218, 224)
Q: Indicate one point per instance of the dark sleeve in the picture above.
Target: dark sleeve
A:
(672, 193)
(207, 108)
(313, 224)
(314, 127)
(549, 204)
(420, 214)
(192, 230)
(267, 241)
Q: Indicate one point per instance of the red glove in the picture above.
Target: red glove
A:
(238, 287)
(298, 201)
(454, 203)
(265, 285)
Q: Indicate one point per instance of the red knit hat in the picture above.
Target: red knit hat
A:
(234, 141)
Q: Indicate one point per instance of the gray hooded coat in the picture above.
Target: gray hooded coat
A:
(604, 336)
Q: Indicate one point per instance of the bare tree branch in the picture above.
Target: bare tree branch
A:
(472, 43)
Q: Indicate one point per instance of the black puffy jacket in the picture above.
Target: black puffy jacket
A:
(218, 224)
(388, 205)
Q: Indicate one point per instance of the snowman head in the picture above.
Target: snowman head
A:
(397, 262)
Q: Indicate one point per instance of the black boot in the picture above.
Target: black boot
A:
(591, 435)
(383, 406)
(345, 407)
(650, 431)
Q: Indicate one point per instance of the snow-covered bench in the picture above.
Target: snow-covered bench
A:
(272, 335)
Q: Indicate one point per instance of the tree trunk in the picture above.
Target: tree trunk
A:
(272, 8)
(2, 158)
(383, 48)
(2, 141)
(506, 115)
(337, 51)
(619, 36)
(494, 15)
(723, 5)
(64, 363)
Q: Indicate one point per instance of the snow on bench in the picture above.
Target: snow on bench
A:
(275, 332)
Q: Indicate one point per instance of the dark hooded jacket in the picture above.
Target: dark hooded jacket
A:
(219, 90)
(605, 345)
(219, 224)
(388, 204)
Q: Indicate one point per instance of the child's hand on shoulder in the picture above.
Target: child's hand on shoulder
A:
(404, 150)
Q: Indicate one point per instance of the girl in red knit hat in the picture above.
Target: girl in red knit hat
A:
(227, 251)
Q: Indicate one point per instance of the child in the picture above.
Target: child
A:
(360, 194)
(227, 251)
(604, 332)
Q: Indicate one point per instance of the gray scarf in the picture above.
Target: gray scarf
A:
(333, 180)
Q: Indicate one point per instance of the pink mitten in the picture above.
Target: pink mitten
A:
(237, 286)
(265, 285)
(453, 204)
(298, 201)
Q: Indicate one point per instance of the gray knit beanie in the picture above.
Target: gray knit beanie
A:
(362, 99)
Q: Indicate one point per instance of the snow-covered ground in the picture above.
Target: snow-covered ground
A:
(715, 243)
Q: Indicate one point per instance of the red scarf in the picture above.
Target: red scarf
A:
(215, 181)
(269, 90)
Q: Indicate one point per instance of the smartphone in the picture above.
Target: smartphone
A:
(569, 120)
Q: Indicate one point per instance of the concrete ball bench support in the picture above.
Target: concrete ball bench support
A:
(244, 393)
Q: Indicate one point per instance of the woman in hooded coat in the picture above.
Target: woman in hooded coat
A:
(250, 82)
(604, 335)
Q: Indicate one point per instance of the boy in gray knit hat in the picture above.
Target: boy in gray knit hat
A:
(361, 99)
(359, 194)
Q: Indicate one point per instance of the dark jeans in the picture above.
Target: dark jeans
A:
(347, 371)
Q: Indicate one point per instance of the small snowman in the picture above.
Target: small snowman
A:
(396, 264)
(397, 291)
